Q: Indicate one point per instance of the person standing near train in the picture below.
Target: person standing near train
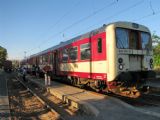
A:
(24, 72)
(46, 70)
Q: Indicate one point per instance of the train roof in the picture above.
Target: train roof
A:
(61, 44)
(88, 34)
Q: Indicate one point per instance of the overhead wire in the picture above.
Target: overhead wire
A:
(150, 3)
(109, 17)
(73, 24)
(81, 20)
(57, 22)
(92, 14)
(124, 10)
(146, 16)
(117, 13)
(150, 14)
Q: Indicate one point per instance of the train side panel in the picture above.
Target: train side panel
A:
(88, 65)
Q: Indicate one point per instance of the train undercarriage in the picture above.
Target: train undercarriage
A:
(130, 84)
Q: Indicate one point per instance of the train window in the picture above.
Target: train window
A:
(37, 60)
(99, 45)
(45, 58)
(133, 40)
(41, 59)
(122, 38)
(85, 51)
(65, 55)
(51, 58)
(146, 40)
(73, 53)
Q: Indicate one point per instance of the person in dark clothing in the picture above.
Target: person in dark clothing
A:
(24, 74)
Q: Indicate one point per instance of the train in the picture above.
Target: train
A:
(7, 66)
(117, 57)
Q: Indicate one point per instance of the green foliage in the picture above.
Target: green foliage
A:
(155, 39)
(156, 50)
(3, 55)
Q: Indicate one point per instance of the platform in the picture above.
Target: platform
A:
(4, 102)
(101, 106)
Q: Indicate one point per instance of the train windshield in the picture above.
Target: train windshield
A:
(146, 40)
(122, 38)
(131, 39)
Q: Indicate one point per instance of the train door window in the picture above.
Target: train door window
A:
(41, 59)
(37, 60)
(65, 55)
(133, 40)
(73, 53)
(122, 38)
(99, 45)
(85, 51)
(51, 58)
(45, 58)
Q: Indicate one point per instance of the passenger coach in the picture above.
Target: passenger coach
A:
(116, 57)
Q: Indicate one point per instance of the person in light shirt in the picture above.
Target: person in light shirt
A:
(46, 70)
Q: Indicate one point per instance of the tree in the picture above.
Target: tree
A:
(155, 39)
(3, 56)
(156, 50)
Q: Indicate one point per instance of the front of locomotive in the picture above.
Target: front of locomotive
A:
(132, 59)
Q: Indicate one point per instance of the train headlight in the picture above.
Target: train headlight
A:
(120, 60)
(151, 66)
(151, 60)
(121, 67)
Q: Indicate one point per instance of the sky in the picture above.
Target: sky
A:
(30, 26)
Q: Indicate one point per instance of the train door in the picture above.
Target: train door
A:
(55, 62)
(98, 46)
(135, 60)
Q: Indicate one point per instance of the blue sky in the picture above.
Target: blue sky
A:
(35, 25)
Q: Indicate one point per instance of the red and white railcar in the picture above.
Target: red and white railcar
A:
(115, 56)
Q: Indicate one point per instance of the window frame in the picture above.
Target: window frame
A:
(76, 53)
(82, 49)
(139, 37)
(128, 37)
(150, 40)
(62, 57)
(99, 48)
(51, 57)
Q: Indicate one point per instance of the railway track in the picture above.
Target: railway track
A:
(65, 111)
(149, 100)
(25, 104)
(145, 100)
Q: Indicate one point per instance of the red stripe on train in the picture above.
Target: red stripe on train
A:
(99, 76)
